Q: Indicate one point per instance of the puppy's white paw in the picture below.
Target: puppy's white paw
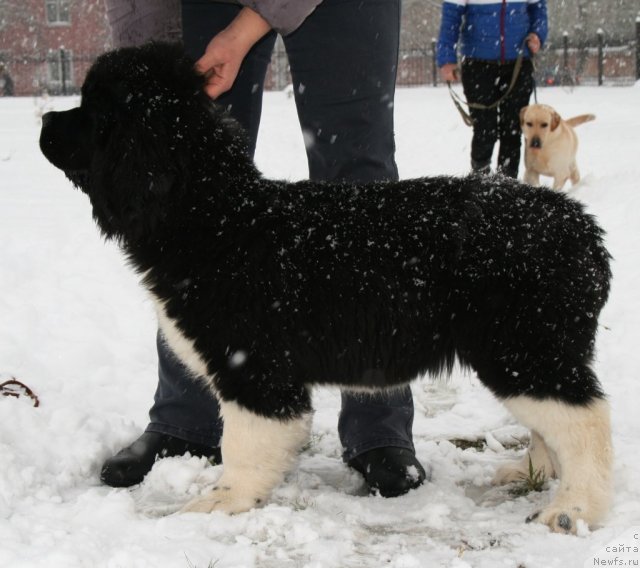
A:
(225, 499)
(559, 519)
(562, 515)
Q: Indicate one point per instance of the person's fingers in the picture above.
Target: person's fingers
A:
(220, 79)
(220, 68)
(533, 42)
(207, 63)
(215, 88)
(449, 73)
(201, 67)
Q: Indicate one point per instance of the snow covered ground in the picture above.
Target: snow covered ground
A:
(77, 328)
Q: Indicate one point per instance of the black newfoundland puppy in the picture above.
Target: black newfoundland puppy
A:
(265, 288)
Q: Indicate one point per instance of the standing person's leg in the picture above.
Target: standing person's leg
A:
(343, 63)
(376, 434)
(184, 409)
(201, 20)
(343, 60)
(185, 416)
(135, 23)
(509, 122)
(183, 406)
(479, 85)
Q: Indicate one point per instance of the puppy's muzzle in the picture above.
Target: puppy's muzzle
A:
(535, 142)
(47, 117)
(65, 139)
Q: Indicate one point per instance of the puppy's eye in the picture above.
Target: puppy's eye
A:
(529, 124)
(544, 124)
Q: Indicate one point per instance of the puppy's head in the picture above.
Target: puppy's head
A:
(538, 122)
(144, 128)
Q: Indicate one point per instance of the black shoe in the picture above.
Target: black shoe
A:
(129, 466)
(483, 168)
(508, 172)
(390, 471)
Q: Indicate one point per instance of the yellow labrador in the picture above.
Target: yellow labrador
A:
(550, 145)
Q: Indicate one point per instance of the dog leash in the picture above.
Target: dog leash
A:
(459, 101)
(533, 79)
(15, 388)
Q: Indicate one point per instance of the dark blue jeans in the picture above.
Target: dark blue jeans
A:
(343, 62)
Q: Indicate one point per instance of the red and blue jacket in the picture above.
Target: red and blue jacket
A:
(492, 30)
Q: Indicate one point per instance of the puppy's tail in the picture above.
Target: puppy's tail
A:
(580, 119)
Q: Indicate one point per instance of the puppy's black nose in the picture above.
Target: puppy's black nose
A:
(536, 142)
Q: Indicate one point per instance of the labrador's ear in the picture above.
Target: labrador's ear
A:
(555, 120)
(523, 111)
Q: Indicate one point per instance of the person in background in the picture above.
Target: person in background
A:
(490, 36)
(343, 58)
(6, 82)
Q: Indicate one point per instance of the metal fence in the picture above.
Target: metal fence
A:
(61, 72)
(566, 66)
(577, 61)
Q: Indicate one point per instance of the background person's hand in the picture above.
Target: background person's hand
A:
(226, 51)
(449, 72)
(533, 42)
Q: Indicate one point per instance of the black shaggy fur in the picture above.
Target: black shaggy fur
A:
(312, 283)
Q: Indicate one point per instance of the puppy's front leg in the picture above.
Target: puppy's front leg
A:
(531, 177)
(257, 452)
(579, 436)
(574, 175)
(559, 181)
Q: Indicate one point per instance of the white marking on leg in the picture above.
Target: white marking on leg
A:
(580, 437)
(257, 452)
(182, 347)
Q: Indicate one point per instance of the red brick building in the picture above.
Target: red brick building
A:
(49, 44)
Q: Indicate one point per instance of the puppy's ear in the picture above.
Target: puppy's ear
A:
(523, 111)
(555, 120)
(120, 91)
(135, 175)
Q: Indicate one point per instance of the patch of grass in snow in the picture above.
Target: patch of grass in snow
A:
(463, 444)
(211, 564)
(532, 481)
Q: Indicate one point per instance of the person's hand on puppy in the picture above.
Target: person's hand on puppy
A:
(226, 51)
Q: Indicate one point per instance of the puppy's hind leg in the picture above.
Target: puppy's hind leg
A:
(538, 456)
(257, 452)
(574, 175)
(559, 180)
(579, 434)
